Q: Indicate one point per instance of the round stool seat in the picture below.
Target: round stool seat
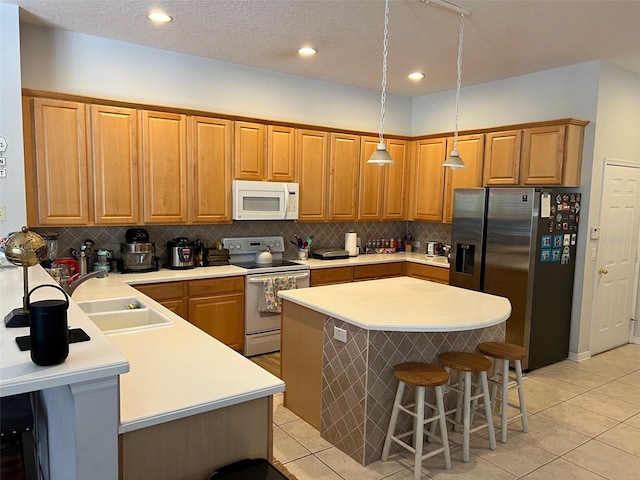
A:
(419, 374)
(465, 361)
(503, 350)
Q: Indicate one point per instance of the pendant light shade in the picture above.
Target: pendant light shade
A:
(381, 155)
(455, 161)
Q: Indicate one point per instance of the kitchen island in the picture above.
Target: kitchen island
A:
(345, 388)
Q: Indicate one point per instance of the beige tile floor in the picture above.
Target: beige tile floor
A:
(584, 424)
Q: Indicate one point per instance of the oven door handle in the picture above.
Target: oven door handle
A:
(259, 280)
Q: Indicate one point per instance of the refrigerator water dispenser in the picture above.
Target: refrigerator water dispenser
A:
(465, 258)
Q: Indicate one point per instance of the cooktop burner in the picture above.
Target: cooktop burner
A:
(274, 264)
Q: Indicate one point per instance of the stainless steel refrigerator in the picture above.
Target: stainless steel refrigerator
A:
(520, 243)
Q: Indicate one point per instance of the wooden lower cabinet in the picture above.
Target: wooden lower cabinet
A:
(427, 272)
(172, 295)
(215, 306)
(331, 276)
(379, 270)
(194, 447)
(221, 316)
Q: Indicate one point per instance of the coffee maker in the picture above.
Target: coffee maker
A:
(138, 254)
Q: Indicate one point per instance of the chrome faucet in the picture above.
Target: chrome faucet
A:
(72, 288)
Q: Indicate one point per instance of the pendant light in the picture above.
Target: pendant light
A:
(381, 155)
(455, 161)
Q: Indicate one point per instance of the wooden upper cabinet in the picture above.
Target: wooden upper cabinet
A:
(371, 182)
(164, 167)
(502, 158)
(344, 158)
(312, 149)
(471, 149)
(281, 158)
(553, 155)
(61, 168)
(395, 182)
(114, 153)
(249, 143)
(428, 181)
(210, 170)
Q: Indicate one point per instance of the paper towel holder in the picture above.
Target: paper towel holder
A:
(351, 243)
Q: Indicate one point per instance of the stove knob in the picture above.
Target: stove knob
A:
(278, 244)
(230, 247)
(238, 246)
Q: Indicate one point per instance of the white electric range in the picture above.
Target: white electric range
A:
(262, 328)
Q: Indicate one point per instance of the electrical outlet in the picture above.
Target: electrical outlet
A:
(3, 213)
(340, 334)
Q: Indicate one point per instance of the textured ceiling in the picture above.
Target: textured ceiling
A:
(503, 38)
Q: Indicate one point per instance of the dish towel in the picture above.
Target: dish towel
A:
(269, 301)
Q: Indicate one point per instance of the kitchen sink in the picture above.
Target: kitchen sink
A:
(123, 314)
(111, 305)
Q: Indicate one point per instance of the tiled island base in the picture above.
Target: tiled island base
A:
(357, 385)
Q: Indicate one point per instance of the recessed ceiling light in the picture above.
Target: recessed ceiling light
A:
(415, 76)
(159, 17)
(307, 51)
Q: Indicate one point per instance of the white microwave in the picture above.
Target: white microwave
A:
(265, 200)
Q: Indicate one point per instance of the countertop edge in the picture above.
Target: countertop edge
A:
(140, 423)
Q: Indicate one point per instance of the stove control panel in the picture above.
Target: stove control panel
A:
(239, 245)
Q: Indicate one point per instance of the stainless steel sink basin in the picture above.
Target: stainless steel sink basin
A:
(117, 315)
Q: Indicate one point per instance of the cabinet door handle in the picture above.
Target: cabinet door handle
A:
(603, 271)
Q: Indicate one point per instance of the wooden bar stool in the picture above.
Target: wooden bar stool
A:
(503, 353)
(419, 375)
(467, 364)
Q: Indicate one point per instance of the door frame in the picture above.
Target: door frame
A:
(608, 161)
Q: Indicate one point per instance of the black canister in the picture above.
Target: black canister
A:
(49, 330)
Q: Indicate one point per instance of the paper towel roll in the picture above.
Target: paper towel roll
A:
(351, 243)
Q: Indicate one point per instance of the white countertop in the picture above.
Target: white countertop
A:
(176, 370)
(97, 358)
(404, 304)
(369, 259)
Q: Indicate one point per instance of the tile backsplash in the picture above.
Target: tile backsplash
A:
(325, 235)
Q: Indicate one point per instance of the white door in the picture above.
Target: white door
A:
(616, 260)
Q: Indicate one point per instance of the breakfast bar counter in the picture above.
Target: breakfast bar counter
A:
(340, 343)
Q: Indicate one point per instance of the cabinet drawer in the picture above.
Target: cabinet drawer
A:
(328, 276)
(162, 291)
(384, 270)
(427, 272)
(199, 288)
